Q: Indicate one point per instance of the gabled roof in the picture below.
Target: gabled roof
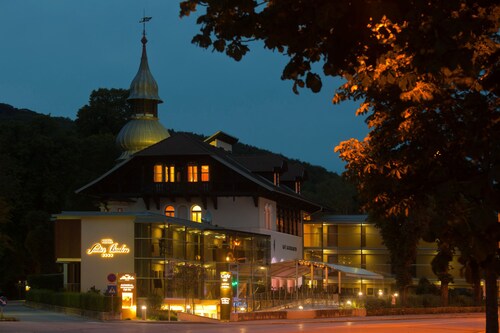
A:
(182, 144)
(263, 163)
(222, 136)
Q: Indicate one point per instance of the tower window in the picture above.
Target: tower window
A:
(196, 213)
(170, 211)
(192, 173)
(205, 173)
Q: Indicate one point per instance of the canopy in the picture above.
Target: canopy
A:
(295, 268)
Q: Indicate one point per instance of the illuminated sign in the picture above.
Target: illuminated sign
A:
(225, 280)
(126, 288)
(226, 293)
(107, 248)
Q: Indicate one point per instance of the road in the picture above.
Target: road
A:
(39, 321)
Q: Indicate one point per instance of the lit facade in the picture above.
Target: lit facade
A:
(350, 240)
(177, 210)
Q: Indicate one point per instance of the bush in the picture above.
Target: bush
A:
(426, 287)
(86, 301)
(162, 315)
(461, 300)
(376, 303)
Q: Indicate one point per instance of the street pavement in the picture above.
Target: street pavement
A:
(42, 321)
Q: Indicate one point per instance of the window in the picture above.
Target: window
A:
(192, 173)
(157, 173)
(171, 173)
(196, 213)
(205, 173)
(170, 211)
(163, 173)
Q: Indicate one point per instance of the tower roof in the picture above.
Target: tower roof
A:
(143, 85)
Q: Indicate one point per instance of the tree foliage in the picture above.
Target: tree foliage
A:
(106, 112)
(43, 161)
(426, 75)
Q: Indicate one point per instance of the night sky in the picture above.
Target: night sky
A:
(55, 52)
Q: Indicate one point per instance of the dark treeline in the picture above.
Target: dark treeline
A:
(45, 159)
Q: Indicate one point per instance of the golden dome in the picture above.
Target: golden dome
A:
(139, 133)
(144, 129)
(143, 85)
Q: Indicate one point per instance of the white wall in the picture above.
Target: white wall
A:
(285, 246)
(240, 213)
(94, 268)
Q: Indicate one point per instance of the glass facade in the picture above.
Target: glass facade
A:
(351, 241)
(177, 261)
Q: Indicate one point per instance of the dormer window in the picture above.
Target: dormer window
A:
(297, 186)
(163, 173)
(276, 178)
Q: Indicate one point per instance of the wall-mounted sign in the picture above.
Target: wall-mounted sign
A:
(107, 248)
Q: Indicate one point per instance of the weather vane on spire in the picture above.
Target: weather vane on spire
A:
(143, 20)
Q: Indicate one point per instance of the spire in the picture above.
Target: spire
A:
(144, 86)
(144, 129)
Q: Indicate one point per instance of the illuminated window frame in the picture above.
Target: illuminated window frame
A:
(205, 173)
(192, 173)
(196, 213)
(170, 211)
(158, 173)
(164, 173)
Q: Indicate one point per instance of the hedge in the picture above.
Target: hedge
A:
(86, 301)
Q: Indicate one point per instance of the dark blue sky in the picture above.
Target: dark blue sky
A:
(55, 52)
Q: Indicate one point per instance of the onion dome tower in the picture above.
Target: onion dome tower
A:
(144, 129)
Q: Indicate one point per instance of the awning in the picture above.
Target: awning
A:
(294, 268)
(356, 272)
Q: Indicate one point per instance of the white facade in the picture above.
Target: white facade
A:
(237, 213)
(95, 267)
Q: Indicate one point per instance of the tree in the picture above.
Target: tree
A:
(425, 73)
(106, 112)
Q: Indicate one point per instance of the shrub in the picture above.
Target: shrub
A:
(87, 301)
(426, 287)
(423, 301)
(375, 303)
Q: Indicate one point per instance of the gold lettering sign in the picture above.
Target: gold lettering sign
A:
(107, 248)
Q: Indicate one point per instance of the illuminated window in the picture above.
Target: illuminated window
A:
(205, 173)
(170, 211)
(171, 177)
(157, 173)
(192, 173)
(163, 173)
(196, 213)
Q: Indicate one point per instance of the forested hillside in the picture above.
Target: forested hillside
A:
(44, 159)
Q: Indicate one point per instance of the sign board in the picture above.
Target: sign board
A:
(3, 301)
(111, 289)
(226, 294)
(112, 278)
(107, 248)
(126, 287)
